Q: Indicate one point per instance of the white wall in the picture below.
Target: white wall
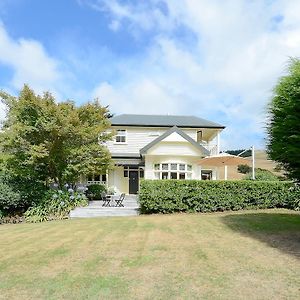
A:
(116, 179)
(183, 148)
(138, 137)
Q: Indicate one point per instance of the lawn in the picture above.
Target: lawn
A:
(243, 255)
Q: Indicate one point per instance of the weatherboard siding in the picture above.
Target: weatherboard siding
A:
(137, 138)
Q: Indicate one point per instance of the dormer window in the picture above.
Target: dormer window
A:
(121, 136)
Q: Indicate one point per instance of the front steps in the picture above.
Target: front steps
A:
(95, 209)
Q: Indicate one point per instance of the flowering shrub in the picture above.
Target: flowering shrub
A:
(55, 205)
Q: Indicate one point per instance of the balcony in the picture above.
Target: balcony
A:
(212, 148)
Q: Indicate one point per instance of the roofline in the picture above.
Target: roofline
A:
(169, 126)
(126, 155)
(169, 132)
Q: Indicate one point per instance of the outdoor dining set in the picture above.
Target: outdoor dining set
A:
(113, 201)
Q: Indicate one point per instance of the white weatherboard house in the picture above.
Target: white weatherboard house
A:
(159, 147)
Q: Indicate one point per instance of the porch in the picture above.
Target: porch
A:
(95, 209)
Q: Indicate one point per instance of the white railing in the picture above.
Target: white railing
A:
(95, 182)
(213, 149)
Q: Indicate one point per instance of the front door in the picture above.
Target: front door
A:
(133, 182)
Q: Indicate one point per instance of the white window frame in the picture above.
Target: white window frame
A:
(121, 133)
(101, 181)
(159, 172)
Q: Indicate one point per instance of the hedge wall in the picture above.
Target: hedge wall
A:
(167, 196)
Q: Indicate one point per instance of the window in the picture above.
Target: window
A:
(199, 136)
(121, 136)
(172, 171)
(206, 174)
(181, 175)
(142, 173)
(96, 179)
(173, 175)
(165, 166)
(164, 175)
(156, 166)
(174, 167)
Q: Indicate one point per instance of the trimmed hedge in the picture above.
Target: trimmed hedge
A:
(168, 196)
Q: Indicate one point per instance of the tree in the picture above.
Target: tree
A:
(284, 121)
(49, 141)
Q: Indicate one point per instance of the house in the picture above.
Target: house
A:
(159, 147)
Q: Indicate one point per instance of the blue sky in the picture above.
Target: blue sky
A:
(215, 59)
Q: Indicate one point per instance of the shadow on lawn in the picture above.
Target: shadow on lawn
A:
(277, 230)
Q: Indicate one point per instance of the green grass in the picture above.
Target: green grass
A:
(244, 255)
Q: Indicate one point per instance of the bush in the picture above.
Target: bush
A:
(244, 169)
(262, 175)
(168, 196)
(9, 199)
(55, 205)
(30, 191)
(95, 191)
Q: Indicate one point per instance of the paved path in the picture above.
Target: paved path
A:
(95, 209)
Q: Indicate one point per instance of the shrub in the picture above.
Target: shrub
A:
(30, 191)
(9, 199)
(95, 191)
(262, 175)
(55, 205)
(244, 169)
(168, 196)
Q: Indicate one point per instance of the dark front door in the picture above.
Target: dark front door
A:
(133, 182)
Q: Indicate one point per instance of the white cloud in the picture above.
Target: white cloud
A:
(227, 74)
(143, 96)
(30, 62)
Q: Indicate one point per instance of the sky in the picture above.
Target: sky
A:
(217, 59)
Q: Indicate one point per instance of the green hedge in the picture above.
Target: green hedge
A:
(168, 196)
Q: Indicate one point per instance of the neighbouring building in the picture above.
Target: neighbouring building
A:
(159, 147)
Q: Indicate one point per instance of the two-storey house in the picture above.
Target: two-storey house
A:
(159, 147)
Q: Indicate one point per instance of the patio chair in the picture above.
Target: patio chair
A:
(119, 202)
(106, 199)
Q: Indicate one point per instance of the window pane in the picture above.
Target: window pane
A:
(173, 175)
(97, 177)
(104, 178)
(189, 167)
(174, 167)
(90, 178)
(165, 166)
(126, 173)
(181, 175)
(156, 166)
(182, 167)
(141, 173)
(165, 175)
(121, 132)
(121, 136)
(156, 175)
(206, 175)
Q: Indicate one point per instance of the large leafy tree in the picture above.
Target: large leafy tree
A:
(284, 121)
(51, 141)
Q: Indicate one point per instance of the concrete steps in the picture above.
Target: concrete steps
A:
(95, 209)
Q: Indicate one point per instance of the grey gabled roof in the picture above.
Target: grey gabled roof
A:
(167, 133)
(162, 121)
